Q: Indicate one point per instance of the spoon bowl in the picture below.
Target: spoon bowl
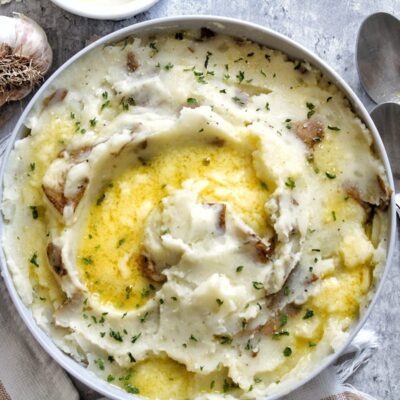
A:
(386, 117)
(378, 57)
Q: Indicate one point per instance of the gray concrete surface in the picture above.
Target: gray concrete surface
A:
(328, 28)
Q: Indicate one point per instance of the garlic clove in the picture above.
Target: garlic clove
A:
(25, 56)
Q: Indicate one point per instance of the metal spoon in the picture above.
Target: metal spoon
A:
(387, 120)
(378, 57)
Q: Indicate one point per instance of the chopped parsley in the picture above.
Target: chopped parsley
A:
(311, 109)
(267, 106)
(93, 122)
(238, 100)
(35, 213)
(153, 46)
(239, 268)
(277, 335)
(290, 183)
(240, 76)
(168, 66)
(87, 260)
(120, 242)
(116, 335)
(207, 59)
(334, 215)
(193, 338)
(191, 100)
(131, 389)
(32, 166)
(258, 285)
(286, 291)
(100, 363)
(143, 319)
(333, 128)
(283, 319)
(287, 352)
(219, 302)
(131, 358)
(33, 260)
(135, 337)
(309, 314)
(110, 378)
(225, 340)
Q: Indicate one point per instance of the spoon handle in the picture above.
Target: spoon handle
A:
(397, 199)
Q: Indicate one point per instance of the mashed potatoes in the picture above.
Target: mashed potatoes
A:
(194, 216)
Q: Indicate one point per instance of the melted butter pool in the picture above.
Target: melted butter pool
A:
(112, 238)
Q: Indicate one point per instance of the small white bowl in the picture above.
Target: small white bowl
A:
(99, 9)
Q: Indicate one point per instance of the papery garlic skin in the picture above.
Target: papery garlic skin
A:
(26, 39)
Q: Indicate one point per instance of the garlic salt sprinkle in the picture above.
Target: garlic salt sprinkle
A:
(25, 56)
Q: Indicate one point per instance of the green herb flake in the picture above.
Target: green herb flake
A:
(287, 352)
(168, 66)
(278, 334)
(219, 302)
(311, 344)
(286, 291)
(35, 213)
(87, 260)
(33, 259)
(100, 363)
(131, 358)
(212, 384)
(238, 100)
(225, 340)
(240, 76)
(334, 215)
(333, 128)
(193, 338)
(283, 319)
(131, 389)
(239, 268)
(116, 335)
(191, 100)
(267, 106)
(135, 338)
(258, 285)
(290, 183)
(32, 166)
(308, 314)
(110, 378)
(143, 319)
(93, 122)
(153, 46)
(120, 242)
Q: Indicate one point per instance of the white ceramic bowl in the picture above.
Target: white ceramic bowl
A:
(231, 27)
(92, 8)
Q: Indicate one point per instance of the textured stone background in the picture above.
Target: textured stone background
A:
(326, 27)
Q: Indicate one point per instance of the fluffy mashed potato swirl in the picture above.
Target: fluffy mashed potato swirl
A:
(192, 215)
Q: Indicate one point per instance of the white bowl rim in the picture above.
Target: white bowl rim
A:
(107, 12)
(216, 23)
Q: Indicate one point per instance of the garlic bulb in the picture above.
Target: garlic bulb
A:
(25, 56)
